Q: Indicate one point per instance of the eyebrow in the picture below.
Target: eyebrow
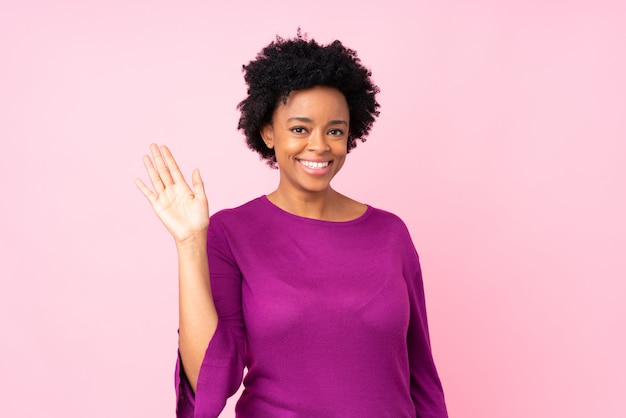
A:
(309, 120)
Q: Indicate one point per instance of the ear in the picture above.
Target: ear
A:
(267, 133)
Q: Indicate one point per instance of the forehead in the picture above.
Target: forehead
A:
(316, 100)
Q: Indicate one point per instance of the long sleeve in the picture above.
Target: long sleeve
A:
(327, 317)
(426, 388)
(221, 371)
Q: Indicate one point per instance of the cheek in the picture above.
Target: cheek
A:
(291, 145)
(340, 154)
(341, 149)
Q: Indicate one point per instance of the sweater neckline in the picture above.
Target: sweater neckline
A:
(289, 215)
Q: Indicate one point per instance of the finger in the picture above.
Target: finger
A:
(198, 185)
(145, 190)
(155, 178)
(161, 166)
(177, 175)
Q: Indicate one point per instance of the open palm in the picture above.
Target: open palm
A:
(183, 210)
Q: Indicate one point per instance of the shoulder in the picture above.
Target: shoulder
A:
(228, 227)
(247, 211)
(392, 226)
(252, 220)
(386, 218)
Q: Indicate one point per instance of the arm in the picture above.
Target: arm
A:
(221, 368)
(185, 214)
(196, 310)
(426, 388)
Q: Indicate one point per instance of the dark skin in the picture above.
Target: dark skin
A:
(309, 134)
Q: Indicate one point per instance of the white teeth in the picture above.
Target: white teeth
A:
(314, 165)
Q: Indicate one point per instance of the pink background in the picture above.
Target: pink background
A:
(501, 143)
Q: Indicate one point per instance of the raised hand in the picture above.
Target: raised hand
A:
(184, 211)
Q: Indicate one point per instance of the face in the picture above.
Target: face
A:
(309, 134)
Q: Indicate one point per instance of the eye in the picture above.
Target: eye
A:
(335, 132)
(298, 130)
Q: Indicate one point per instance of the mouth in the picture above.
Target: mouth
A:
(315, 165)
(316, 168)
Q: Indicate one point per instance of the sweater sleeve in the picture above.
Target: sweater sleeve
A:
(426, 388)
(221, 371)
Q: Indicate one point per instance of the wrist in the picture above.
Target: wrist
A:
(192, 242)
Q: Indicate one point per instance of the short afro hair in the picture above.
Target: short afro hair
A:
(286, 65)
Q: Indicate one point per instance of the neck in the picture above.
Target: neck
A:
(320, 205)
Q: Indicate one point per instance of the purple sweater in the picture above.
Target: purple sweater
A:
(328, 317)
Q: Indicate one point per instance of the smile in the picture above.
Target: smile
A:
(314, 164)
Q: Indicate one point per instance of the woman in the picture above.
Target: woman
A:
(319, 296)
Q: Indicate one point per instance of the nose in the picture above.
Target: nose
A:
(318, 142)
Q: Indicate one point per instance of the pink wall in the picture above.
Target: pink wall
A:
(502, 143)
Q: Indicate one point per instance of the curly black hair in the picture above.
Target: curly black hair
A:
(286, 65)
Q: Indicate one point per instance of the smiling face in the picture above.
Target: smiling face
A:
(309, 134)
